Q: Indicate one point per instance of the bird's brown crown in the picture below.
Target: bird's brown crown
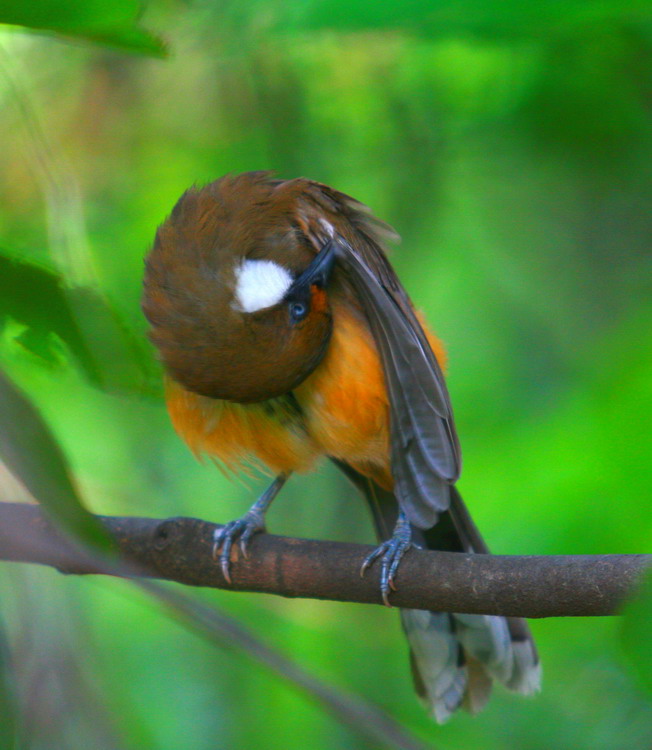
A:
(226, 250)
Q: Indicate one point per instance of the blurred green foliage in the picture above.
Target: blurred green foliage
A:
(636, 632)
(9, 710)
(511, 146)
(80, 319)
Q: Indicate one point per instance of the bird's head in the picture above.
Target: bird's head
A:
(236, 292)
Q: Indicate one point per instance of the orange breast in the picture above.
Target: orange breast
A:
(345, 401)
(345, 413)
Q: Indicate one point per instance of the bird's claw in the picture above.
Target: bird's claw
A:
(390, 553)
(241, 530)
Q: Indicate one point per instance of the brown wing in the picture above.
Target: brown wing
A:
(425, 451)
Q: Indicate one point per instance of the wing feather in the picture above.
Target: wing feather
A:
(425, 455)
(425, 451)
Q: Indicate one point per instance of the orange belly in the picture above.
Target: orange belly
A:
(239, 436)
(345, 402)
(344, 413)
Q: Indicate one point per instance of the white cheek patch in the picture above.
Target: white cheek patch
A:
(260, 284)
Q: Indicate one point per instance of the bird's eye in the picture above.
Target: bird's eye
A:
(298, 311)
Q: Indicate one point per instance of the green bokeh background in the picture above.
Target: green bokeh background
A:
(511, 147)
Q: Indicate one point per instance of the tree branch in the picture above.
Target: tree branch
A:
(179, 549)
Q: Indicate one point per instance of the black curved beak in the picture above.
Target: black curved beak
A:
(317, 274)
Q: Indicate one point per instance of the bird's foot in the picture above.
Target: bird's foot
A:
(240, 530)
(390, 553)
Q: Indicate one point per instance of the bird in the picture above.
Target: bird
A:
(286, 337)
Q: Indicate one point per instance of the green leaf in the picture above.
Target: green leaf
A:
(636, 632)
(121, 360)
(107, 352)
(23, 282)
(108, 22)
(31, 453)
(9, 727)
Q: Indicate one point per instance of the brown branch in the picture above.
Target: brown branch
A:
(179, 549)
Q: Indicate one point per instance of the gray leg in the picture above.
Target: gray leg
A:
(251, 523)
(391, 552)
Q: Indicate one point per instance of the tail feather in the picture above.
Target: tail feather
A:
(486, 638)
(479, 687)
(443, 685)
(455, 657)
(526, 675)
